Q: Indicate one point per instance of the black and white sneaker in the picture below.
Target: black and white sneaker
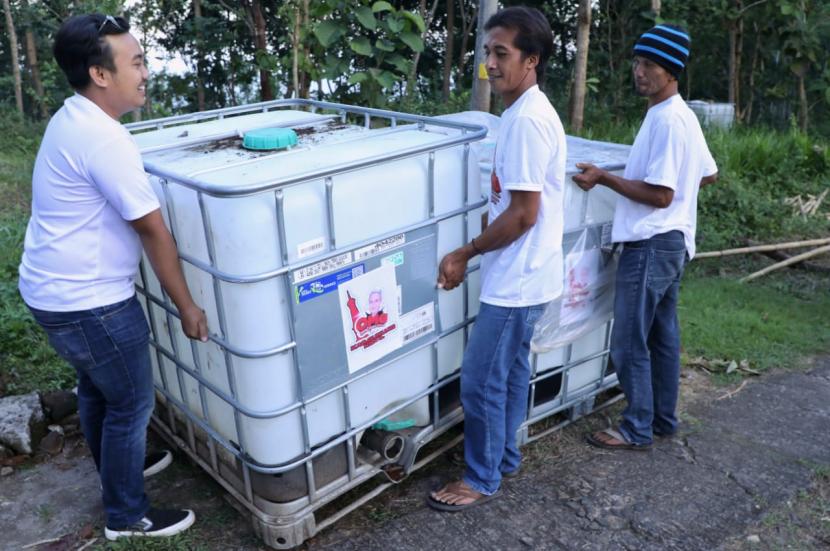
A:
(156, 462)
(157, 522)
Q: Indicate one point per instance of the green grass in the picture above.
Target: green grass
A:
(27, 362)
(776, 322)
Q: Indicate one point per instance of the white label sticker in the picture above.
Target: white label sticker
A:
(379, 247)
(320, 268)
(310, 248)
(418, 322)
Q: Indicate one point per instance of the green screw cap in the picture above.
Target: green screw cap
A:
(266, 139)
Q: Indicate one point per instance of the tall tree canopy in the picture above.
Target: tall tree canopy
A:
(766, 56)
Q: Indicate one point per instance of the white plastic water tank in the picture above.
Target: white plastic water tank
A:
(712, 114)
(252, 244)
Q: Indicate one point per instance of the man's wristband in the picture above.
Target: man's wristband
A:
(476, 249)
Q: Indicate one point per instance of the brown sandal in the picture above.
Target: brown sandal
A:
(457, 496)
(612, 439)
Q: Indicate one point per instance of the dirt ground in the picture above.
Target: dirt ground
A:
(746, 472)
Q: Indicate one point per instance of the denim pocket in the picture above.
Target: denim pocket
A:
(69, 342)
(126, 325)
(665, 267)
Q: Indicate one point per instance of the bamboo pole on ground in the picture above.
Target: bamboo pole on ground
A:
(762, 248)
(785, 263)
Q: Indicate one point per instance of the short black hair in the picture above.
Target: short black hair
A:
(533, 34)
(80, 45)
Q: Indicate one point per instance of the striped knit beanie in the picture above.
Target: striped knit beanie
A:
(666, 45)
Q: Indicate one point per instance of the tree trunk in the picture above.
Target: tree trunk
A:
(200, 61)
(480, 100)
(295, 59)
(31, 57)
(448, 50)
(583, 36)
(18, 83)
(261, 44)
(803, 106)
(467, 24)
(736, 27)
(655, 7)
(413, 72)
(747, 115)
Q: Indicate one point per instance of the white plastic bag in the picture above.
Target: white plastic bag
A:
(587, 300)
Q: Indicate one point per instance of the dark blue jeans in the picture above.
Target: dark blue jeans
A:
(109, 349)
(495, 374)
(645, 342)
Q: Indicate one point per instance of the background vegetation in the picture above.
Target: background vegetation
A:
(767, 56)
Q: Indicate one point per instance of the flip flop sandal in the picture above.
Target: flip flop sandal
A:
(461, 491)
(602, 439)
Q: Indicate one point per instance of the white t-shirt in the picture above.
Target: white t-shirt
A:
(80, 251)
(669, 151)
(530, 156)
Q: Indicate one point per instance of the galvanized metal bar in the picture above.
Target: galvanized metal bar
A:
(350, 451)
(309, 480)
(254, 278)
(431, 185)
(220, 311)
(316, 174)
(330, 213)
(246, 478)
(281, 468)
(152, 319)
(280, 205)
(465, 171)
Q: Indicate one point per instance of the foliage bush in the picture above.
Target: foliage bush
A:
(758, 170)
(27, 362)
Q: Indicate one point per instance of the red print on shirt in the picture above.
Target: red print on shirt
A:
(495, 188)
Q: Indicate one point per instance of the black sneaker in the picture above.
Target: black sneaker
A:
(156, 462)
(157, 522)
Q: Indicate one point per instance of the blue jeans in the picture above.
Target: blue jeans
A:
(495, 375)
(645, 342)
(109, 349)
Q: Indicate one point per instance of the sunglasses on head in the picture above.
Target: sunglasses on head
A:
(112, 20)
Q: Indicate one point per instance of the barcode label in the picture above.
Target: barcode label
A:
(310, 248)
(417, 333)
(320, 268)
(379, 247)
(418, 322)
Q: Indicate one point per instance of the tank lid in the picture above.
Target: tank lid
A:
(265, 139)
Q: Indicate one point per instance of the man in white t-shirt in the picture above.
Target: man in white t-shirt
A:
(93, 210)
(521, 268)
(655, 222)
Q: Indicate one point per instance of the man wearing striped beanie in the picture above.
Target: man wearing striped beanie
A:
(655, 221)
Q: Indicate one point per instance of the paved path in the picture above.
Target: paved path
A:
(735, 460)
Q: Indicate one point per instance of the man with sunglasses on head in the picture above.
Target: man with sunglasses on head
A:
(93, 210)
(655, 222)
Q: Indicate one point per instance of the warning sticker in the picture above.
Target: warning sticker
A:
(321, 268)
(379, 247)
(418, 322)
